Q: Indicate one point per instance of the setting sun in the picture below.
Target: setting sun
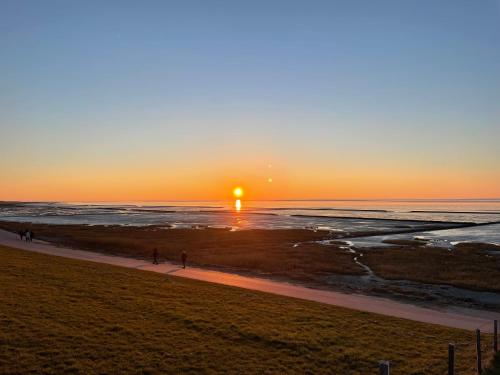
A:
(238, 192)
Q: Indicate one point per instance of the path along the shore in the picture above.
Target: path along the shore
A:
(464, 318)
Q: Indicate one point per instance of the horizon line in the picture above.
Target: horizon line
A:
(263, 200)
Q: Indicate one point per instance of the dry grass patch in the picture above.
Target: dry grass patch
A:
(60, 315)
(269, 252)
(467, 265)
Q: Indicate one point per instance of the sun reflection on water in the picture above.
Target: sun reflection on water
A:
(237, 204)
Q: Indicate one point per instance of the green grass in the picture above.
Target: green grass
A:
(60, 315)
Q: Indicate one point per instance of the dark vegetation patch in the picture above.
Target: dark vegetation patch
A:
(466, 265)
(495, 366)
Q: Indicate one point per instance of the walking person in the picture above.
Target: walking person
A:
(21, 234)
(184, 258)
(32, 235)
(155, 256)
(28, 236)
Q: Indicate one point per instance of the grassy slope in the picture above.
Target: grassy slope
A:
(468, 266)
(66, 316)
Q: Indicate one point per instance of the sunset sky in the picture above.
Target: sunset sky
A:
(163, 100)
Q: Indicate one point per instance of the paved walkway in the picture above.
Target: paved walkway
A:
(465, 318)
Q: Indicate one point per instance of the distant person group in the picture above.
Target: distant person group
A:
(26, 235)
(156, 256)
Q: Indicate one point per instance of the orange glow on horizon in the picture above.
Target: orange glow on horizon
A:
(298, 180)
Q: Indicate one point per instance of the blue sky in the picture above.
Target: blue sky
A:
(337, 88)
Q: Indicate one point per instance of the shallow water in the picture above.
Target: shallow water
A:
(339, 216)
(439, 238)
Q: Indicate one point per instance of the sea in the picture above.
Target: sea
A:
(342, 216)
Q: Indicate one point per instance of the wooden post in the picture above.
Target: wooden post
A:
(478, 352)
(451, 359)
(384, 368)
(495, 336)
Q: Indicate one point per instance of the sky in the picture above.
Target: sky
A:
(165, 100)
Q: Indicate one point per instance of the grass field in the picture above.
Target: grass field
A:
(269, 252)
(60, 315)
(272, 253)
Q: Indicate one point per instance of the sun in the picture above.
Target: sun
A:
(238, 192)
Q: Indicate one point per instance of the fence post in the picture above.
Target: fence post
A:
(495, 336)
(478, 352)
(384, 368)
(451, 359)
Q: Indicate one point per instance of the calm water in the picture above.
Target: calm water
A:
(442, 238)
(339, 215)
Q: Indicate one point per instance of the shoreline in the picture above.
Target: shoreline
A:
(312, 259)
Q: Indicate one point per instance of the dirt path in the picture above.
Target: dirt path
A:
(465, 319)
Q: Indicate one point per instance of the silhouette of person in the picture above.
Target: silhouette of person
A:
(183, 258)
(32, 235)
(28, 236)
(155, 256)
(21, 234)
